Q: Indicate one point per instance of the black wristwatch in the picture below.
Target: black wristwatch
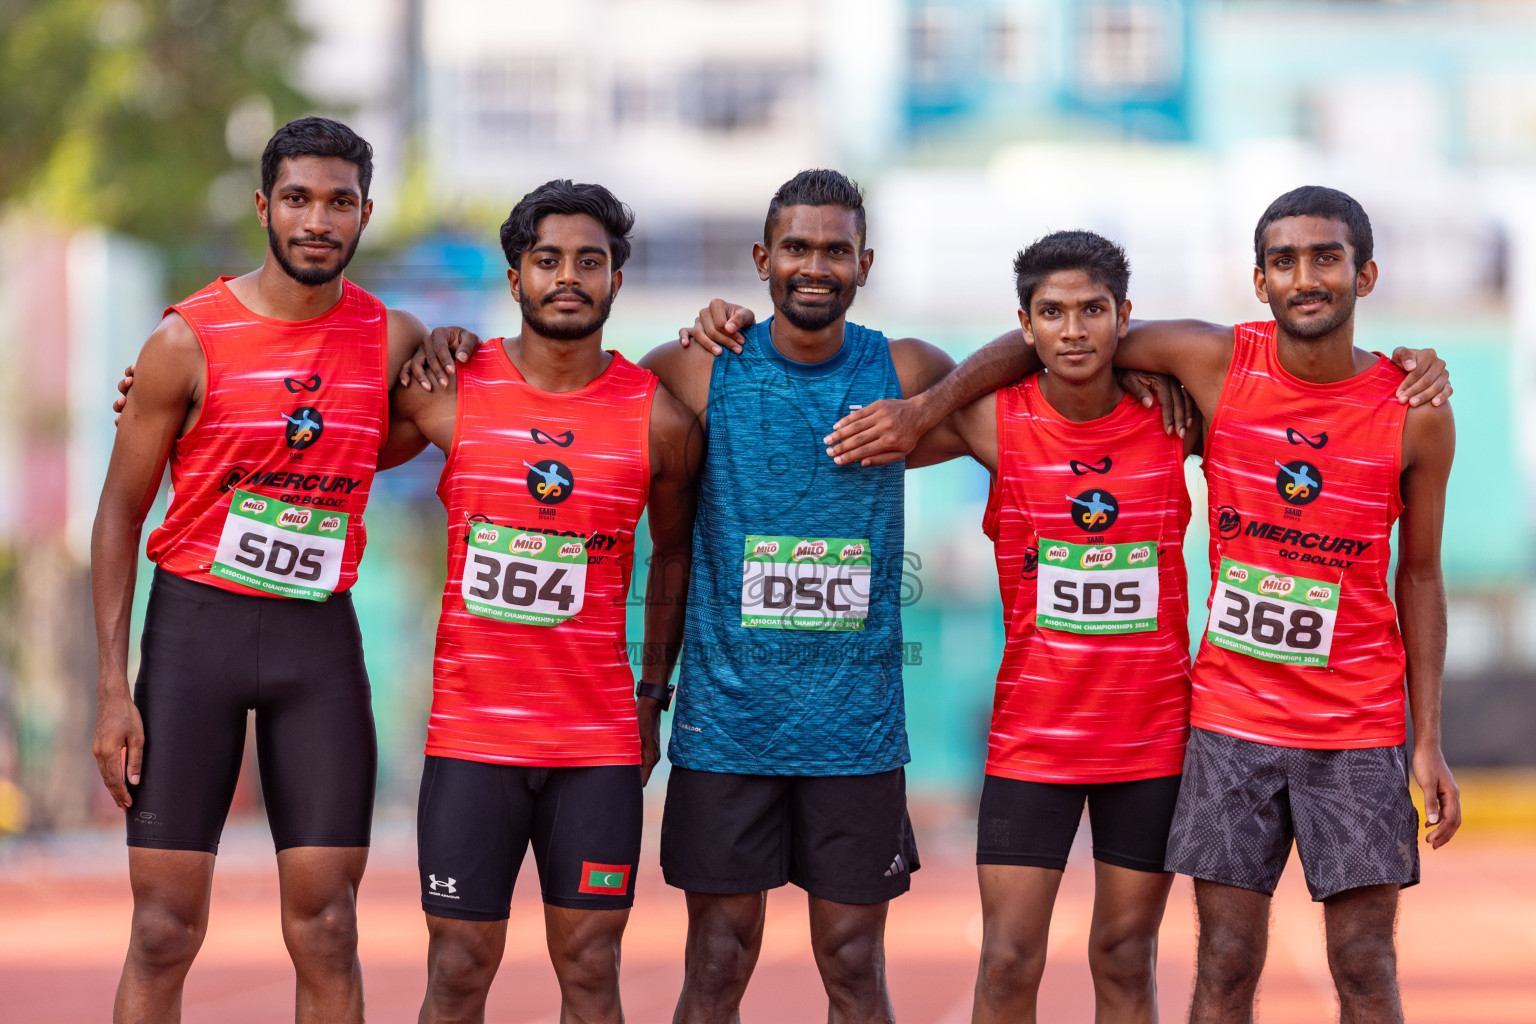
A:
(658, 692)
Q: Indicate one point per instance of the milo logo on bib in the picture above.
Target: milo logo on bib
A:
(1273, 616)
(810, 583)
(1096, 588)
(279, 549)
(518, 576)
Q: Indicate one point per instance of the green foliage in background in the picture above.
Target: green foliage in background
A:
(147, 116)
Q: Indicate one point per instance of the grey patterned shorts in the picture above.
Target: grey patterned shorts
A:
(1242, 803)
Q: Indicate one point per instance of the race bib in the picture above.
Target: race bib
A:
(815, 583)
(1096, 588)
(511, 575)
(1273, 617)
(280, 549)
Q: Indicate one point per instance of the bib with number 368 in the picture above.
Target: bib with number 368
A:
(1272, 616)
(517, 576)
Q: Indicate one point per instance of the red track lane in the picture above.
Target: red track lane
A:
(1467, 940)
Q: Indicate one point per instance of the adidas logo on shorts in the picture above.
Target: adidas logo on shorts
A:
(897, 866)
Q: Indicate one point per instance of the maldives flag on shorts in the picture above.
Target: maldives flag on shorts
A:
(605, 879)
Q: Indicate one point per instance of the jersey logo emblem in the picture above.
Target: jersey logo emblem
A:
(1031, 563)
(231, 478)
(1297, 437)
(1228, 522)
(304, 427)
(1095, 511)
(295, 385)
(1298, 483)
(1084, 468)
(564, 440)
(550, 482)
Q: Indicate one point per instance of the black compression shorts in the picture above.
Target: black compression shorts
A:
(209, 656)
(474, 822)
(1033, 823)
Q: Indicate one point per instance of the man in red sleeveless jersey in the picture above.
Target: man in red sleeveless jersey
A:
(554, 448)
(267, 394)
(1315, 448)
(1087, 510)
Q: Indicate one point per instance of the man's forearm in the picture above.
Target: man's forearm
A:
(114, 568)
(666, 610)
(996, 364)
(1421, 618)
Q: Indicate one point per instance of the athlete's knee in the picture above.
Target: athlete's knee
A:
(1228, 960)
(162, 940)
(1126, 961)
(719, 959)
(591, 967)
(852, 966)
(1364, 965)
(1009, 970)
(324, 934)
(459, 971)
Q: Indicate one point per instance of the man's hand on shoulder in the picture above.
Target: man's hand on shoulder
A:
(1428, 378)
(890, 428)
(434, 357)
(718, 327)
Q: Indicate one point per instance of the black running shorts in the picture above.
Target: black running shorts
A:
(475, 821)
(210, 656)
(1349, 812)
(844, 838)
(1032, 823)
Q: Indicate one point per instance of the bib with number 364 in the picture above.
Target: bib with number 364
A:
(517, 576)
(1273, 616)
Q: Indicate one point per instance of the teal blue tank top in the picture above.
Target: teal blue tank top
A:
(791, 659)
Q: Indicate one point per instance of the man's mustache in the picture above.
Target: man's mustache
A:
(1296, 300)
(558, 292)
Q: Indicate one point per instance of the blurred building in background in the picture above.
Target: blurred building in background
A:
(974, 125)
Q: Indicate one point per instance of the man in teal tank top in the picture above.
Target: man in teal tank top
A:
(789, 736)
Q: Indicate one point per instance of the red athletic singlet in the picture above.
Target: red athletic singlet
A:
(543, 491)
(1088, 521)
(1302, 647)
(293, 410)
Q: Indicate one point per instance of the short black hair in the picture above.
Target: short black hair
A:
(520, 231)
(316, 136)
(1319, 201)
(817, 187)
(1101, 259)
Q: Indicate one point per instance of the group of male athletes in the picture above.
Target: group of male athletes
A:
(772, 480)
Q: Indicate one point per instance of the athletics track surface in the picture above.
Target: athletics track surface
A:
(1467, 938)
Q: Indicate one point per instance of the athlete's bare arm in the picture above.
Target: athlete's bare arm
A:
(970, 430)
(417, 418)
(1429, 443)
(684, 372)
(919, 366)
(164, 405)
(407, 337)
(677, 451)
